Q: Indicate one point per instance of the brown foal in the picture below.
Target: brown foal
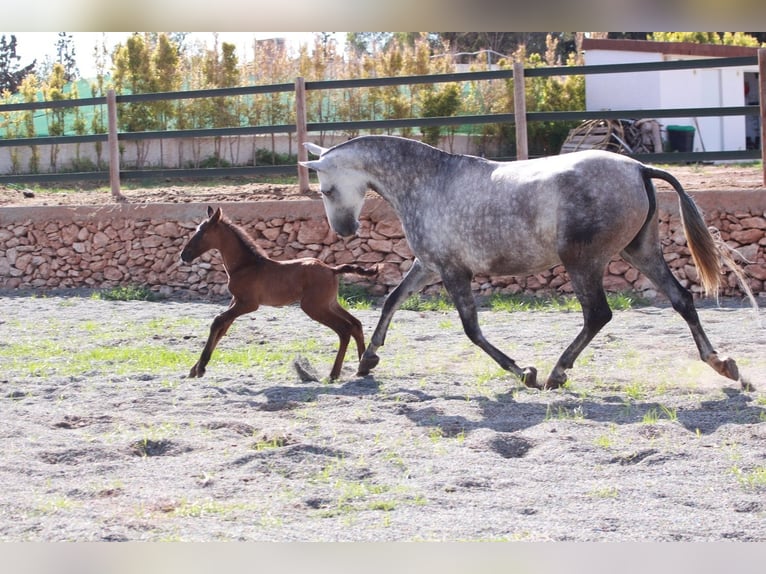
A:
(255, 280)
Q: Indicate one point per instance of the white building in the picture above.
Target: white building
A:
(700, 88)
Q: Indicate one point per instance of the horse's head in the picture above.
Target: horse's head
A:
(201, 240)
(343, 185)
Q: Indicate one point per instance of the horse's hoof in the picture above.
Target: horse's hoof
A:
(554, 382)
(196, 372)
(529, 378)
(726, 367)
(366, 364)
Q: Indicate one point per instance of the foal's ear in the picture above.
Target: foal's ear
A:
(214, 216)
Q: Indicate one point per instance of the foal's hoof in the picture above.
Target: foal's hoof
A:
(196, 372)
(366, 364)
(529, 378)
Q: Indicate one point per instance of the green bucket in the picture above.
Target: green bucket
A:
(681, 138)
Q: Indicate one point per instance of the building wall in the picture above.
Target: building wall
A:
(710, 87)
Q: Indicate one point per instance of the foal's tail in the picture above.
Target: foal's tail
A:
(707, 251)
(355, 269)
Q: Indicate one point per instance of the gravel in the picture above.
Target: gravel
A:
(646, 443)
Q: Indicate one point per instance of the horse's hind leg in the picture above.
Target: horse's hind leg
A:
(588, 287)
(458, 285)
(417, 278)
(646, 256)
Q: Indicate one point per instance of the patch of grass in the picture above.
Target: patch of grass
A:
(635, 390)
(127, 293)
(418, 302)
(654, 415)
(521, 302)
(353, 296)
(753, 479)
(199, 508)
(606, 440)
(560, 412)
(56, 505)
(46, 358)
(605, 492)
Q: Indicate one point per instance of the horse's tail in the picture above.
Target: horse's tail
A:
(355, 269)
(707, 251)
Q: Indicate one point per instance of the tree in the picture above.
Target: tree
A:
(65, 55)
(11, 75)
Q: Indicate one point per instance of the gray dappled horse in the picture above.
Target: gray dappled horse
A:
(465, 215)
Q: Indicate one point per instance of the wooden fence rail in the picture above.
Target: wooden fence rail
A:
(302, 127)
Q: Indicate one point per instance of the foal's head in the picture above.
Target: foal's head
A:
(205, 238)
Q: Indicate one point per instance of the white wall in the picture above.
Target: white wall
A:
(709, 87)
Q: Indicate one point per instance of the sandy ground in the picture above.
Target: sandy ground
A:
(105, 439)
(720, 177)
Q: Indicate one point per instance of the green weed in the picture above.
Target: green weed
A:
(352, 296)
(127, 293)
(522, 302)
(417, 302)
(755, 478)
(605, 492)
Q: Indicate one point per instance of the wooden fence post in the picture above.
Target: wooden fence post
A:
(520, 111)
(301, 132)
(113, 145)
(762, 106)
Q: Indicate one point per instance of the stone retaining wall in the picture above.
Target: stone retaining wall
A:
(45, 248)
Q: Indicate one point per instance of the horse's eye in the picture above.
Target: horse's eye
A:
(328, 192)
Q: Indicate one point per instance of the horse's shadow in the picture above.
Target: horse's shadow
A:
(507, 415)
(503, 413)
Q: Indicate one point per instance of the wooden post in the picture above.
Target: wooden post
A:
(113, 145)
(301, 132)
(520, 111)
(762, 106)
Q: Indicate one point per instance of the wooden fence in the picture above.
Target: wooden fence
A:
(302, 128)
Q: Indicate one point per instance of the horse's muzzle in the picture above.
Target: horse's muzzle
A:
(346, 228)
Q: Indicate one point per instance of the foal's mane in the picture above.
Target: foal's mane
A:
(245, 238)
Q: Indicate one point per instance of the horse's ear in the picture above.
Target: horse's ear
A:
(316, 165)
(314, 148)
(209, 211)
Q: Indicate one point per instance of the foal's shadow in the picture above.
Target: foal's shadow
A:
(304, 393)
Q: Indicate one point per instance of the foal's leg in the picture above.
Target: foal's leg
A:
(218, 329)
(355, 325)
(588, 287)
(649, 260)
(458, 285)
(417, 278)
(323, 311)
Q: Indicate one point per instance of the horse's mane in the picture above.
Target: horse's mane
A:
(246, 239)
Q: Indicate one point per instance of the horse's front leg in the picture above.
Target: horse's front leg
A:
(415, 279)
(458, 285)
